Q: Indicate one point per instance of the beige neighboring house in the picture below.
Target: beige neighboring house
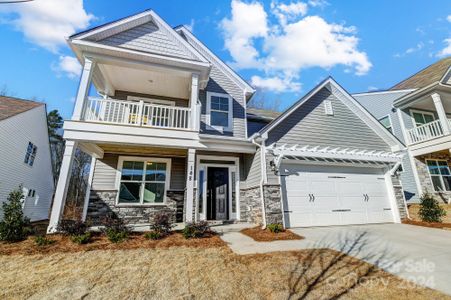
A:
(25, 155)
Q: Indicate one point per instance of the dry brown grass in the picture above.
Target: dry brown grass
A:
(264, 235)
(201, 273)
(428, 224)
(100, 242)
(414, 209)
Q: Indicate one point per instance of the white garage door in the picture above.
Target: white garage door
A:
(322, 196)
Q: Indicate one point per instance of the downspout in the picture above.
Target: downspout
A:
(262, 177)
(392, 173)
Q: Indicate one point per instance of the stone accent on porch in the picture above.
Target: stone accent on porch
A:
(251, 205)
(103, 203)
(273, 207)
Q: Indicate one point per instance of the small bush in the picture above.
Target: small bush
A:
(430, 209)
(72, 227)
(153, 235)
(162, 224)
(42, 241)
(15, 226)
(81, 238)
(196, 230)
(275, 227)
(115, 229)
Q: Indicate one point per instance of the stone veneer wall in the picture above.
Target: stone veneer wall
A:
(103, 203)
(251, 205)
(273, 207)
(425, 179)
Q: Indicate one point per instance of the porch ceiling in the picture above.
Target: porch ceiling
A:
(142, 151)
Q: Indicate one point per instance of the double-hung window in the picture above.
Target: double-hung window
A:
(440, 175)
(143, 181)
(219, 111)
(386, 122)
(421, 118)
(30, 155)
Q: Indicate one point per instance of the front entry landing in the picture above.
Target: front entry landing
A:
(217, 193)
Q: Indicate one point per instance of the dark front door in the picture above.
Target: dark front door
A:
(217, 193)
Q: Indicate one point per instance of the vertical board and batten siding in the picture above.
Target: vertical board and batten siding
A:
(220, 82)
(149, 37)
(309, 125)
(105, 171)
(15, 133)
(380, 105)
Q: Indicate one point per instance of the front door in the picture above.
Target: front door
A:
(217, 193)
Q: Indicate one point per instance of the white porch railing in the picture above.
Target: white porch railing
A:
(425, 132)
(139, 114)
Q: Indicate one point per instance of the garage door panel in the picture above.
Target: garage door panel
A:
(298, 219)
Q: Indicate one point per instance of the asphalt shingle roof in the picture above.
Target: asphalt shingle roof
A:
(10, 106)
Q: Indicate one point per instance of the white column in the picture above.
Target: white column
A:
(83, 88)
(193, 101)
(190, 185)
(88, 188)
(441, 112)
(62, 186)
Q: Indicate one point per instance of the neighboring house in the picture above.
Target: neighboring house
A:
(417, 111)
(172, 134)
(25, 155)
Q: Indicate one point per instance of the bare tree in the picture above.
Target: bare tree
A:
(261, 101)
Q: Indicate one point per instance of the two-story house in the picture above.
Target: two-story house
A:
(170, 132)
(417, 111)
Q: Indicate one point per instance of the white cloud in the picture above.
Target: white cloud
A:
(294, 42)
(190, 26)
(248, 21)
(48, 22)
(447, 50)
(448, 18)
(318, 3)
(68, 66)
(275, 84)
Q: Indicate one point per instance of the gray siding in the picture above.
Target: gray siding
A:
(220, 82)
(149, 38)
(254, 126)
(252, 166)
(309, 125)
(104, 178)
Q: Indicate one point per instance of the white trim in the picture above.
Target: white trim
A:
(204, 166)
(167, 183)
(392, 197)
(151, 100)
(418, 111)
(351, 103)
(438, 175)
(88, 188)
(229, 126)
(221, 65)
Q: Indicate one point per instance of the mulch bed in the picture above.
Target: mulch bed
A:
(264, 235)
(101, 242)
(427, 224)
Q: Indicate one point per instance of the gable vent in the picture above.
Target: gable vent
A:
(328, 109)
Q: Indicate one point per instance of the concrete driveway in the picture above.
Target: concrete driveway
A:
(418, 254)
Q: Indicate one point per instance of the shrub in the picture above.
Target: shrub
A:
(275, 227)
(81, 238)
(15, 226)
(430, 209)
(162, 224)
(72, 227)
(42, 241)
(196, 230)
(115, 229)
(153, 235)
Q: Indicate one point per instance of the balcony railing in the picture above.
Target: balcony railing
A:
(425, 132)
(139, 114)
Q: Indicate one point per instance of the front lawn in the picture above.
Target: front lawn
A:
(201, 272)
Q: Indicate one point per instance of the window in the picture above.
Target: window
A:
(386, 122)
(143, 181)
(219, 111)
(30, 155)
(440, 175)
(421, 118)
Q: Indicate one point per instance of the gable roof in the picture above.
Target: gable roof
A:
(349, 101)
(182, 30)
(426, 76)
(105, 33)
(262, 114)
(381, 96)
(10, 106)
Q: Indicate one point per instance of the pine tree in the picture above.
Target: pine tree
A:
(15, 226)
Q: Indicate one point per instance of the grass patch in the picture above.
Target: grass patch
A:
(446, 226)
(265, 235)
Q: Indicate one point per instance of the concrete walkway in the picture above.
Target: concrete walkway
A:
(418, 254)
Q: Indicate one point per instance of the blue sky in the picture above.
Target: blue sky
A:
(283, 47)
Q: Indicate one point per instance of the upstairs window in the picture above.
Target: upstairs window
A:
(421, 118)
(440, 175)
(30, 155)
(219, 111)
(386, 122)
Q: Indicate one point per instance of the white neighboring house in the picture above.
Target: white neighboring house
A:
(25, 155)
